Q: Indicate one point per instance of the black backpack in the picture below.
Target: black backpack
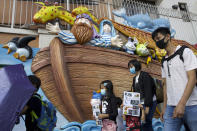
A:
(178, 52)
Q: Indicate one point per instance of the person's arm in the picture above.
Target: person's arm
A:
(103, 116)
(143, 115)
(148, 91)
(179, 110)
(190, 65)
(24, 110)
(164, 98)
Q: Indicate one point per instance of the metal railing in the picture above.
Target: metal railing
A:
(19, 13)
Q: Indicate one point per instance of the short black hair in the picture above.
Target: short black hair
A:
(136, 64)
(162, 30)
(35, 81)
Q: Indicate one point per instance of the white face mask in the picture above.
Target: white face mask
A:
(103, 92)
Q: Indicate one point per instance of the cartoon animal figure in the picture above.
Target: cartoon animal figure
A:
(142, 50)
(130, 46)
(12, 45)
(23, 51)
(50, 12)
(140, 21)
(143, 21)
(160, 53)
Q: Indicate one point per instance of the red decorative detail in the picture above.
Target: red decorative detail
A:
(45, 13)
(44, 7)
(51, 14)
(55, 11)
(63, 13)
(70, 20)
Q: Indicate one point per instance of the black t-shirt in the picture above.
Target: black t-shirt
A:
(33, 104)
(111, 108)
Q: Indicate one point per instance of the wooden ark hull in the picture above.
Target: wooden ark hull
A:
(70, 73)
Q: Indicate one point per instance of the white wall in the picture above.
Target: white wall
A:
(184, 30)
(192, 4)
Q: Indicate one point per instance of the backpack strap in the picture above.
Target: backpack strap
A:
(162, 61)
(33, 116)
(178, 52)
(181, 51)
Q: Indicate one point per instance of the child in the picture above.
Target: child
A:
(34, 104)
(109, 106)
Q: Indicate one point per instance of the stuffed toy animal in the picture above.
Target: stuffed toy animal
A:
(130, 46)
(21, 48)
(142, 50)
(12, 45)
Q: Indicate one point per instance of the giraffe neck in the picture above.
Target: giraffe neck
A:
(66, 16)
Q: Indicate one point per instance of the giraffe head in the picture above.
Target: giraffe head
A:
(47, 12)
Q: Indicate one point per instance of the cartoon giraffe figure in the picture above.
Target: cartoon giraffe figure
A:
(50, 12)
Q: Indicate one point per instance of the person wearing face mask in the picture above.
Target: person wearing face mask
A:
(109, 106)
(179, 79)
(143, 83)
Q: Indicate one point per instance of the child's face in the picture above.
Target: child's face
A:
(131, 66)
(103, 87)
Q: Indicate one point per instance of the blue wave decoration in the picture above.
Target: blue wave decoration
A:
(89, 125)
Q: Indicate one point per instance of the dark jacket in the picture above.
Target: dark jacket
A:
(145, 87)
(33, 104)
(112, 108)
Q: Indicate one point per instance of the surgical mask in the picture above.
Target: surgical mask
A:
(132, 70)
(103, 92)
(161, 44)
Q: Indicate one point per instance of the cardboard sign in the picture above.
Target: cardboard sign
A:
(130, 103)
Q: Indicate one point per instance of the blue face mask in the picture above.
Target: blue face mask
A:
(103, 92)
(132, 70)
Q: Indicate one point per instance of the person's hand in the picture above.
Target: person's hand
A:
(54, 29)
(116, 41)
(102, 116)
(179, 111)
(121, 106)
(141, 106)
(162, 114)
(147, 110)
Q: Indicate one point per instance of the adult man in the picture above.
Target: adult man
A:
(179, 79)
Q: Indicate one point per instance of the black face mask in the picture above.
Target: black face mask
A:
(161, 44)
